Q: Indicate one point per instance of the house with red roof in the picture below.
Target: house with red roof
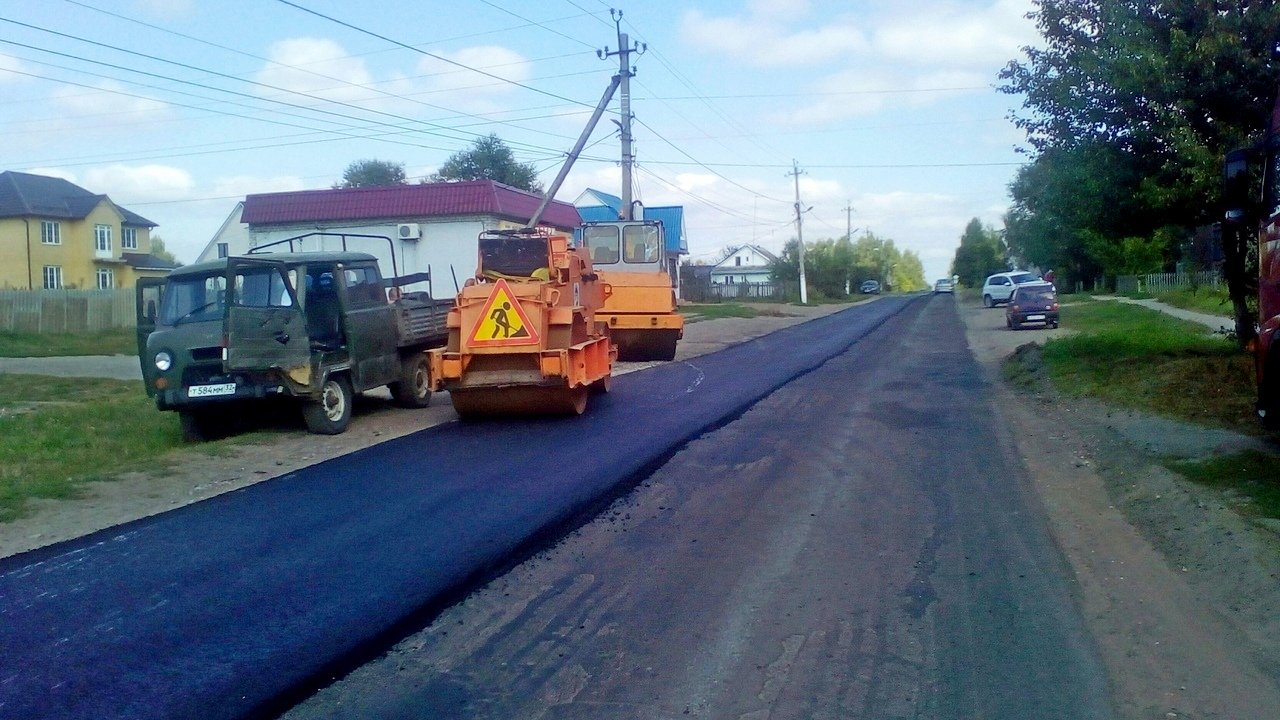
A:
(433, 226)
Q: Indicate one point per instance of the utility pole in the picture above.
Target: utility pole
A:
(625, 73)
(848, 220)
(804, 291)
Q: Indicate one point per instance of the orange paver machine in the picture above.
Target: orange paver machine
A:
(524, 337)
(631, 256)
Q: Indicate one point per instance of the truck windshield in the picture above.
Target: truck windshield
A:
(194, 298)
(640, 243)
(513, 256)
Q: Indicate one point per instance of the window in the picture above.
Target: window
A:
(194, 299)
(737, 261)
(52, 277)
(363, 286)
(102, 238)
(106, 278)
(50, 232)
(262, 287)
(602, 243)
(128, 238)
(223, 250)
(640, 243)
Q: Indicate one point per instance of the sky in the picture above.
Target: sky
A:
(177, 109)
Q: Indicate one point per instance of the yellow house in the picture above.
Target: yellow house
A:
(55, 234)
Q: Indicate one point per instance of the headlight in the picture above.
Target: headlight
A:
(164, 361)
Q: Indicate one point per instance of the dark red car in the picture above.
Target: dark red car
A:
(1032, 303)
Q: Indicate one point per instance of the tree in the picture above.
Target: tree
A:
(1142, 99)
(979, 254)
(159, 250)
(489, 158)
(372, 173)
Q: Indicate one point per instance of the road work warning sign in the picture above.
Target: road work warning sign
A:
(502, 321)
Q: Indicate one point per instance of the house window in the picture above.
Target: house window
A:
(737, 261)
(223, 250)
(52, 277)
(128, 238)
(50, 232)
(106, 279)
(102, 238)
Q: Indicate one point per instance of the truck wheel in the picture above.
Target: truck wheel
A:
(331, 413)
(413, 389)
(196, 425)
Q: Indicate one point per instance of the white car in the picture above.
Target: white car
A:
(944, 286)
(999, 287)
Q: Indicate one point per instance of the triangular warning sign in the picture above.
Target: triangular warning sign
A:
(502, 321)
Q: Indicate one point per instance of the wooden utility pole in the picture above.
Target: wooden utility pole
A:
(804, 291)
(625, 73)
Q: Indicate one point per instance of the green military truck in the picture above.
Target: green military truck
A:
(315, 327)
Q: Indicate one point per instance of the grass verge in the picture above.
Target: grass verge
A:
(56, 434)
(121, 341)
(1250, 475)
(1139, 358)
(716, 311)
(1205, 300)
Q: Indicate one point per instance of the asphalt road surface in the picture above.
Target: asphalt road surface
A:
(239, 605)
(860, 544)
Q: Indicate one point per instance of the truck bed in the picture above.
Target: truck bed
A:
(422, 319)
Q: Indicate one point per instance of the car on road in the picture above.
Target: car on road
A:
(999, 287)
(1032, 303)
(870, 287)
(944, 286)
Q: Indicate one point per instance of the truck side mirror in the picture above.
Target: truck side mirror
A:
(1235, 187)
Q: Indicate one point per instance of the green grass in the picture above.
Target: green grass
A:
(1139, 358)
(1251, 475)
(1205, 300)
(56, 434)
(108, 342)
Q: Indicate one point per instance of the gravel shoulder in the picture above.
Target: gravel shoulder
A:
(1178, 588)
(200, 472)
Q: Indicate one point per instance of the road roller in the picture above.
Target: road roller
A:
(630, 255)
(524, 338)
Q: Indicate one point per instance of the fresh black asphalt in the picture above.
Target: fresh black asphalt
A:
(232, 607)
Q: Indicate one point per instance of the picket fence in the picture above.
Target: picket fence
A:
(1156, 283)
(66, 311)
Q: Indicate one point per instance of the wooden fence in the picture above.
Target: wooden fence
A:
(1157, 283)
(66, 311)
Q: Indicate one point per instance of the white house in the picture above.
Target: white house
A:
(432, 227)
(746, 264)
(231, 239)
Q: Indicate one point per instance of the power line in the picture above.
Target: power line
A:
(706, 166)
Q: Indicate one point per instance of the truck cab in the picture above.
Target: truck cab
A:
(631, 257)
(312, 327)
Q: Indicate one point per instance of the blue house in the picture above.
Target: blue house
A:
(597, 206)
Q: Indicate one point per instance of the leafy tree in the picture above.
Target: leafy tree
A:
(1143, 99)
(159, 250)
(837, 267)
(979, 254)
(489, 158)
(372, 173)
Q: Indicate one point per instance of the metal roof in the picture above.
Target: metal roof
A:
(672, 217)
(27, 195)
(407, 203)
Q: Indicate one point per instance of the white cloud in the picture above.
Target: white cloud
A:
(762, 39)
(948, 34)
(314, 66)
(10, 65)
(139, 183)
(111, 105)
(238, 186)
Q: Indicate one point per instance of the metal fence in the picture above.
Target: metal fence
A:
(708, 292)
(1156, 283)
(66, 311)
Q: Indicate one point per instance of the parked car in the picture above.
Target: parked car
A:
(870, 287)
(944, 286)
(999, 287)
(1032, 303)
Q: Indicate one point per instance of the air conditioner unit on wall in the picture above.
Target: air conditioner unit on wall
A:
(409, 231)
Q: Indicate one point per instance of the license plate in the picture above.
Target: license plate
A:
(197, 391)
(1035, 317)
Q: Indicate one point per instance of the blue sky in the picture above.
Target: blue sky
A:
(178, 108)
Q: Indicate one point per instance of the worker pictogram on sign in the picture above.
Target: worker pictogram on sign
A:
(502, 321)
